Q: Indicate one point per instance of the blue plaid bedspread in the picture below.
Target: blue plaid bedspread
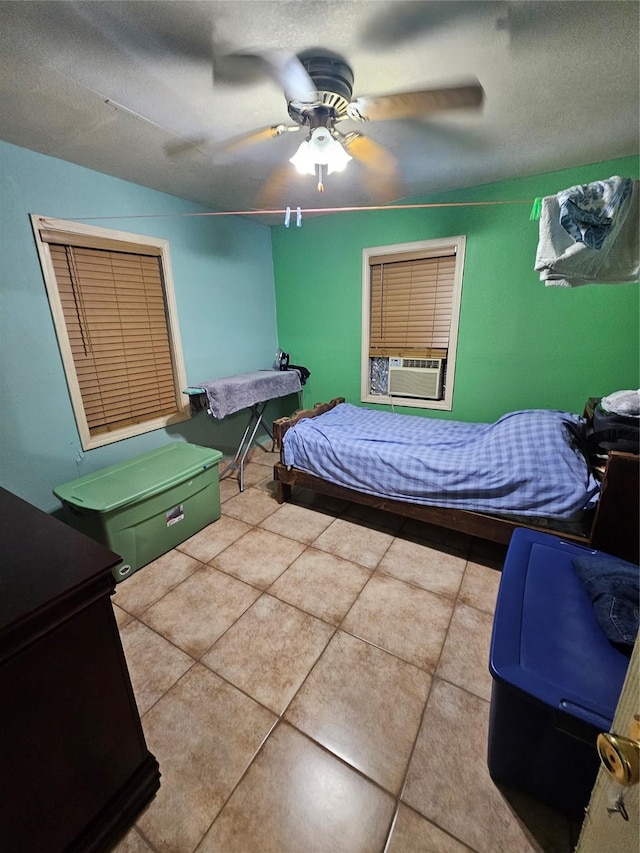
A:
(524, 463)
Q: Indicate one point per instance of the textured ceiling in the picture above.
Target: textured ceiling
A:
(112, 85)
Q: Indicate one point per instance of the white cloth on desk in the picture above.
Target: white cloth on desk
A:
(233, 393)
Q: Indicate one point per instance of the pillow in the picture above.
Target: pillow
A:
(614, 588)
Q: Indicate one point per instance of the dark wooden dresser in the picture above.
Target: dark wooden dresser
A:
(74, 766)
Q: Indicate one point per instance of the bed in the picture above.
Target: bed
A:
(524, 470)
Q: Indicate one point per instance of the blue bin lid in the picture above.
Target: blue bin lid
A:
(136, 479)
(546, 639)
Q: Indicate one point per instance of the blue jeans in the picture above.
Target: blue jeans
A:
(614, 588)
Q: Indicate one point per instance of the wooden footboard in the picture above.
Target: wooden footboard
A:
(493, 528)
(612, 528)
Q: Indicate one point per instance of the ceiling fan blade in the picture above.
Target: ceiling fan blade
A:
(236, 68)
(253, 137)
(287, 69)
(412, 104)
(407, 19)
(382, 178)
(282, 66)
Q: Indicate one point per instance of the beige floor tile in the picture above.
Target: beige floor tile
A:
(355, 542)
(141, 589)
(204, 733)
(269, 487)
(322, 584)
(251, 506)
(229, 488)
(259, 557)
(269, 651)
(465, 655)
(430, 568)
(253, 473)
(122, 617)
(405, 620)
(196, 613)
(298, 522)
(448, 781)
(359, 695)
(413, 834)
(154, 663)
(132, 843)
(262, 454)
(296, 797)
(480, 587)
(208, 543)
(365, 706)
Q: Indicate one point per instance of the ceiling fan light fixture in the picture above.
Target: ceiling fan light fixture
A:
(338, 158)
(303, 160)
(320, 149)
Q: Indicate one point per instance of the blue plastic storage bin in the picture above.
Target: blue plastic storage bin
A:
(556, 677)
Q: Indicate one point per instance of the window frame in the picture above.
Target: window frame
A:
(431, 248)
(161, 247)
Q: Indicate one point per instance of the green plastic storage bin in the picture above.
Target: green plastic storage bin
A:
(144, 507)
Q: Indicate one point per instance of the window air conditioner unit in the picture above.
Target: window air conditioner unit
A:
(416, 377)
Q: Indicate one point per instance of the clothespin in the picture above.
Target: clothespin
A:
(287, 217)
(536, 209)
(298, 217)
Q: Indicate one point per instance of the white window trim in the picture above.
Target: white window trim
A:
(434, 247)
(88, 441)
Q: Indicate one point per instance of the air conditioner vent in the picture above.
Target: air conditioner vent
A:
(422, 362)
(416, 377)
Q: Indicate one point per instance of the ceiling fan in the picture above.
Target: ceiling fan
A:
(318, 87)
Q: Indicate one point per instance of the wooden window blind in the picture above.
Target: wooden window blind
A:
(115, 313)
(411, 304)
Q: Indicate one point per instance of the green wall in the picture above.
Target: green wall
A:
(520, 344)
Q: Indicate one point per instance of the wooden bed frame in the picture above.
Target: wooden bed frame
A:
(612, 527)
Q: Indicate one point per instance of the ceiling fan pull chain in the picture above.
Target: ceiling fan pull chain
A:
(298, 217)
(320, 184)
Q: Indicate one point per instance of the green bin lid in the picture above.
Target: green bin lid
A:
(138, 478)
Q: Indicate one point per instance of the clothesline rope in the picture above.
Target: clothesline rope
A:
(283, 211)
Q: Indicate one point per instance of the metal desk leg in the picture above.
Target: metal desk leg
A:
(255, 420)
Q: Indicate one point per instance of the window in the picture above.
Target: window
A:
(410, 307)
(112, 301)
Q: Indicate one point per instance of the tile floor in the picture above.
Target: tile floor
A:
(313, 677)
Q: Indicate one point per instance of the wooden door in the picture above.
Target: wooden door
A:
(603, 831)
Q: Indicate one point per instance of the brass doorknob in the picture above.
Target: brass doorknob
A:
(620, 757)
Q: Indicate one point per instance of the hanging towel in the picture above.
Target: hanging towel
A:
(587, 212)
(589, 235)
